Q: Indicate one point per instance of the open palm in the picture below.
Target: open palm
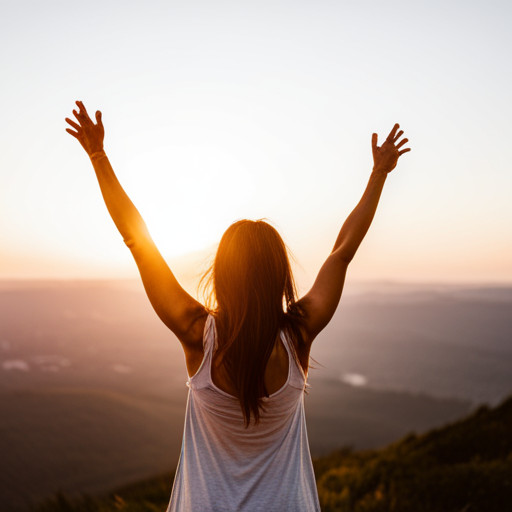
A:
(89, 135)
(385, 157)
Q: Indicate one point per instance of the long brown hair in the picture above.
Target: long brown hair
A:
(252, 294)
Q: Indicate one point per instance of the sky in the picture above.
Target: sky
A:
(220, 110)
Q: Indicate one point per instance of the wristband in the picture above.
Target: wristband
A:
(98, 154)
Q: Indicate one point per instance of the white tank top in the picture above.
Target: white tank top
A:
(225, 467)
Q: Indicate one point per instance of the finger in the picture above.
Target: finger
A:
(374, 141)
(82, 108)
(397, 136)
(71, 132)
(77, 127)
(83, 112)
(404, 151)
(79, 116)
(401, 143)
(392, 132)
(98, 118)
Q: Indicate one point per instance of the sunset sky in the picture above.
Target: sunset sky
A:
(216, 111)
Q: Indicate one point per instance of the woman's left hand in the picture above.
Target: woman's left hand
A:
(90, 135)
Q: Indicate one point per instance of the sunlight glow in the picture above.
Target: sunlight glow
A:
(189, 207)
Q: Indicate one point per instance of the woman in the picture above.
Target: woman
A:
(245, 445)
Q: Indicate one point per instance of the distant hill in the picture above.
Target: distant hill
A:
(463, 467)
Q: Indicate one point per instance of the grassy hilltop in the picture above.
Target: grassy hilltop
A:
(465, 466)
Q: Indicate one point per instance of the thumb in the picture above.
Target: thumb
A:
(374, 141)
(98, 118)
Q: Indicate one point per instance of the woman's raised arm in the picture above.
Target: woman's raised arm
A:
(320, 303)
(175, 307)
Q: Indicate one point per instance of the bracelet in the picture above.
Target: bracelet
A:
(98, 154)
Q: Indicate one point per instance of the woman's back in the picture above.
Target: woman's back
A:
(225, 466)
(276, 371)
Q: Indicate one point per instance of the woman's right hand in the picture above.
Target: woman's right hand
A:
(89, 135)
(385, 157)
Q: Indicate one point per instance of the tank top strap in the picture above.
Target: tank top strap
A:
(297, 375)
(200, 378)
(209, 335)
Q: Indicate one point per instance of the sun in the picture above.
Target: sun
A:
(188, 208)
